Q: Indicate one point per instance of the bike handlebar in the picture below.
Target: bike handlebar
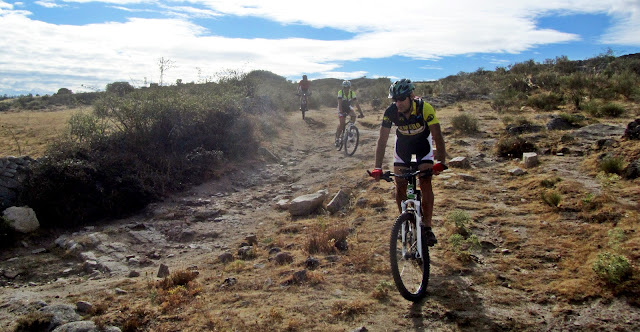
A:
(387, 176)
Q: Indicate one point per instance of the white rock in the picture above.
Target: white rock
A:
(22, 219)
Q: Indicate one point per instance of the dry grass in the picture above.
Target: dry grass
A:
(30, 132)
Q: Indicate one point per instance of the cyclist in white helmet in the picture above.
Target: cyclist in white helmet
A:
(346, 100)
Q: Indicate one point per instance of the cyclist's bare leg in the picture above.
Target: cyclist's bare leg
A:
(352, 114)
(427, 195)
(401, 186)
(341, 125)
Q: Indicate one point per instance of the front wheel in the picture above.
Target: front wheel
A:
(410, 273)
(303, 108)
(351, 139)
(339, 141)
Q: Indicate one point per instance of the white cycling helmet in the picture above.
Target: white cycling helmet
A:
(346, 84)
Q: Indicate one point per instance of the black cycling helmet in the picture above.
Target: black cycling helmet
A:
(304, 77)
(401, 88)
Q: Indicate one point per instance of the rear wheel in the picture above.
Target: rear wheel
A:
(410, 274)
(350, 139)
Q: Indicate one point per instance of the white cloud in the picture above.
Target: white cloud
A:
(48, 3)
(96, 54)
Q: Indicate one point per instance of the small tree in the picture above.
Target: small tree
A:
(64, 91)
(120, 88)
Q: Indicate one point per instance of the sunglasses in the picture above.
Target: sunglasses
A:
(400, 99)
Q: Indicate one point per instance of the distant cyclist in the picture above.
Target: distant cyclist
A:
(304, 88)
(346, 100)
(417, 128)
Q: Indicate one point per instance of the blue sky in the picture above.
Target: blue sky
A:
(84, 44)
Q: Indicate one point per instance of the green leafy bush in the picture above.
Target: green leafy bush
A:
(461, 220)
(463, 247)
(612, 268)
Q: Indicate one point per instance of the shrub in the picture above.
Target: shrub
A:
(382, 289)
(572, 119)
(327, 241)
(551, 198)
(612, 268)
(513, 147)
(85, 127)
(547, 102)
(461, 220)
(611, 110)
(34, 321)
(463, 247)
(549, 183)
(612, 165)
(464, 123)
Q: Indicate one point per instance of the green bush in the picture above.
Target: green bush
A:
(463, 247)
(86, 127)
(464, 123)
(612, 268)
(611, 110)
(612, 165)
(572, 119)
(545, 101)
(461, 220)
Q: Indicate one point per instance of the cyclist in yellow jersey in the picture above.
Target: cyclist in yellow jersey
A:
(346, 100)
(418, 128)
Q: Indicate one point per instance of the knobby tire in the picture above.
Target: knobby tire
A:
(350, 140)
(410, 275)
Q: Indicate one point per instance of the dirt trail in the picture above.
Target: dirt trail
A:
(191, 229)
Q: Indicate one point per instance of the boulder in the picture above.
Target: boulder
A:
(460, 162)
(632, 171)
(22, 219)
(530, 159)
(306, 204)
(633, 130)
(340, 200)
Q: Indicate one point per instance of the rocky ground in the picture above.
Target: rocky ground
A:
(514, 282)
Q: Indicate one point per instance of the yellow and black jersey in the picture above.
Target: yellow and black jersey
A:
(421, 117)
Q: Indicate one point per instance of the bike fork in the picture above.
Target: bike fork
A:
(418, 214)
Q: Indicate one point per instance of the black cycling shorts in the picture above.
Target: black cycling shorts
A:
(420, 145)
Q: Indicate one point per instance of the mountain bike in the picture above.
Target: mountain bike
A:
(408, 255)
(303, 102)
(349, 138)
